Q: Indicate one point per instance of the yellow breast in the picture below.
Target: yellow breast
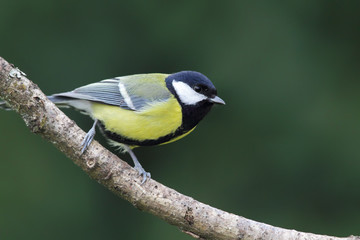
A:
(153, 122)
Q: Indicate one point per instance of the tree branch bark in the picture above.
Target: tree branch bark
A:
(192, 217)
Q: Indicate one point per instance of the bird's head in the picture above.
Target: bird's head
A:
(195, 93)
(192, 88)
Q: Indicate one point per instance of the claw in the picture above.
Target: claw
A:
(143, 173)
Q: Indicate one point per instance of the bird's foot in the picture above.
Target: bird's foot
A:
(137, 165)
(143, 173)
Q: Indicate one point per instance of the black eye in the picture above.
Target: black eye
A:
(197, 88)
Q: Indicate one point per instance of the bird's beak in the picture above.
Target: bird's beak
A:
(217, 100)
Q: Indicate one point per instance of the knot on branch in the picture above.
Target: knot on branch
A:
(90, 163)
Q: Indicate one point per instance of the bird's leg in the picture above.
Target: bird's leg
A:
(89, 137)
(137, 165)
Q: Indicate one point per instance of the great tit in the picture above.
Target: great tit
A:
(143, 109)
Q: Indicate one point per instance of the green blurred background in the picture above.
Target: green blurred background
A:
(285, 150)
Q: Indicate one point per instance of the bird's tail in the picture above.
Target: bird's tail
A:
(65, 102)
(59, 101)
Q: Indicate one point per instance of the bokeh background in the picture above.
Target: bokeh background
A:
(285, 150)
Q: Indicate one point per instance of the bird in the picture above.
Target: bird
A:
(142, 109)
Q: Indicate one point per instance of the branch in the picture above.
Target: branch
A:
(192, 217)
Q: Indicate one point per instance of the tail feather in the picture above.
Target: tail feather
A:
(59, 100)
(83, 106)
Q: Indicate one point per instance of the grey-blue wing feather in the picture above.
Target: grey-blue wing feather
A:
(106, 91)
(139, 91)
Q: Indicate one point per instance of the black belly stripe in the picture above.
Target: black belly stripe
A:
(132, 142)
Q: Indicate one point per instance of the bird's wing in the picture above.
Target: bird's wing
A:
(130, 92)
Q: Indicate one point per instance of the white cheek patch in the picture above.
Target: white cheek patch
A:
(186, 94)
